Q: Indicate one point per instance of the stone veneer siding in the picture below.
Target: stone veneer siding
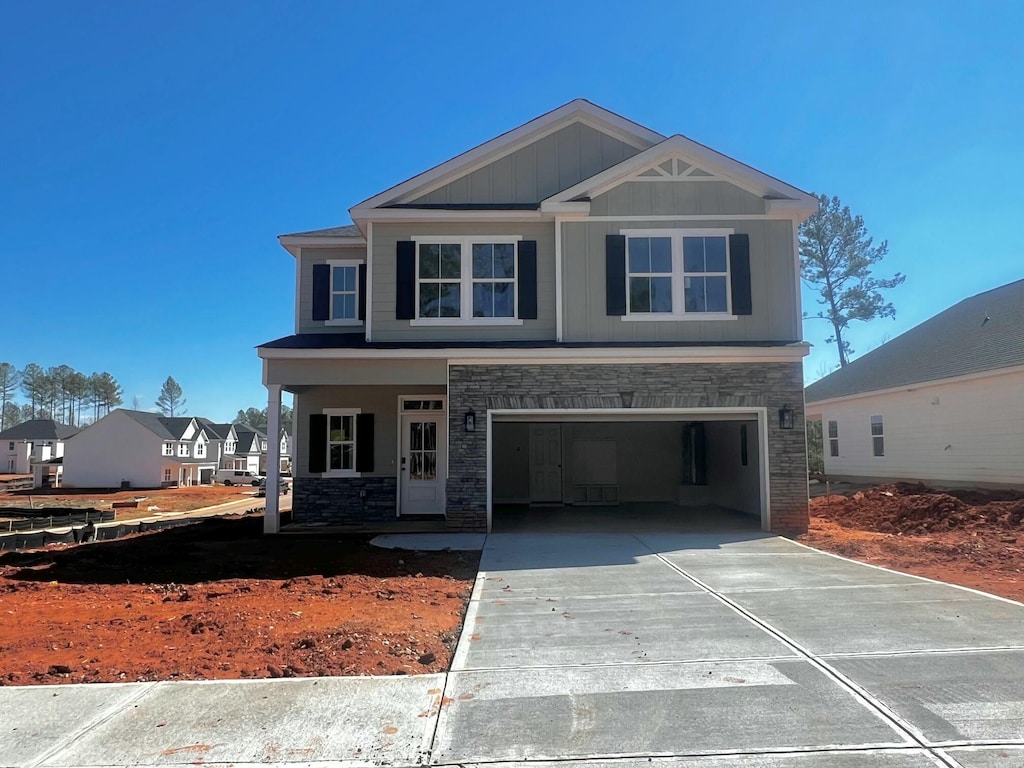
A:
(660, 385)
(337, 500)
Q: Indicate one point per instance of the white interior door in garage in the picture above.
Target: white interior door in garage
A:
(545, 463)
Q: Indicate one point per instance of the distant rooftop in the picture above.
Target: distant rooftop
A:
(348, 230)
(38, 429)
(979, 334)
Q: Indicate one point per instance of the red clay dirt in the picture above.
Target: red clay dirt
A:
(166, 499)
(218, 600)
(974, 538)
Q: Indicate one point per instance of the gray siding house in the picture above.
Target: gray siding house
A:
(579, 312)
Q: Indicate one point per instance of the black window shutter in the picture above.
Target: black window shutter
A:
(615, 274)
(364, 442)
(527, 280)
(739, 268)
(362, 291)
(318, 442)
(321, 291)
(405, 277)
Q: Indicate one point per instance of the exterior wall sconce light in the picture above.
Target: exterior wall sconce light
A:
(469, 421)
(785, 417)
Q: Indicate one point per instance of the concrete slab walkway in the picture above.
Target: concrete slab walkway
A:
(729, 650)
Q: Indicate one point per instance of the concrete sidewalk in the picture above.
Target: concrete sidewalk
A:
(614, 651)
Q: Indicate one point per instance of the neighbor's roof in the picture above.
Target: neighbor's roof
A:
(348, 230)
(982, 333)
(38, 429)
(219, 431)
(151, 421)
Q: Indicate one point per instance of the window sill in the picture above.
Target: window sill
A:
(458, 321)
(343, 322)
(669, 317)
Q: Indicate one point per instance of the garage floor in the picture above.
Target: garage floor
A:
(622, 518)
(741, 646)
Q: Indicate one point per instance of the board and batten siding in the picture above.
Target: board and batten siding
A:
(663, 198)
(958, 432)
(385, 327)
(307, 258)
(773, 286)
(381, 401)
(558, 161)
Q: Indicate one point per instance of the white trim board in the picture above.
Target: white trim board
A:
(636, 414)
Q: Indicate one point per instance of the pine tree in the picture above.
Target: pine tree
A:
(170, 402)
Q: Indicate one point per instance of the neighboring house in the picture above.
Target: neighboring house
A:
(943, 402)
(36, 448)
(223, 440)
(140, 449)
(250, 449)
(581, 311)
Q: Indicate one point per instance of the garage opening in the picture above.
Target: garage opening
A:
(691, 472)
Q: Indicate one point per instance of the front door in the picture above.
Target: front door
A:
(424, 463)
(545, 463)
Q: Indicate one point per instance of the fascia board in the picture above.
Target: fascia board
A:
(597, 117)
(415, 214)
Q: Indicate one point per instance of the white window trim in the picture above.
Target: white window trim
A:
(832, 440)
(183, 450)
(678, 313)
(330, 306)
(168, 449)
(466, 280)
(353, 412)
(871, 433)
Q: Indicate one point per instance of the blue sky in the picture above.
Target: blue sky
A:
(151, 152)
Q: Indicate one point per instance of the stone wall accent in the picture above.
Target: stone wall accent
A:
(657, 385)
(339, 500)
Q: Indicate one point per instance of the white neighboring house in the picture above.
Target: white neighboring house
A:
(35, 447)
(140, 449)
(942, 403)
(250, 450)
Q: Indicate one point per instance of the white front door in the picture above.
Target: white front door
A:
(545, 463)
(424, 463)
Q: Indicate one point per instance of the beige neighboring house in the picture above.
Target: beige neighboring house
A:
(941, 403)
(579, 312)
(140, 449)
(35, 447)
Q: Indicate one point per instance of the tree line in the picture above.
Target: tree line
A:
(60, 393)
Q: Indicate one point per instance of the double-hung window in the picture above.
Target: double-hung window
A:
(833, 438)
(466, 280)
(877, 436)
(182, 449)
(675, 274)
(168, 449)
(200, 450)
(344, 293)
(341, 441)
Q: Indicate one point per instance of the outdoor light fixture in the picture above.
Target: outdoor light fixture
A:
(469, 422)
(627, 399)
(785, 417)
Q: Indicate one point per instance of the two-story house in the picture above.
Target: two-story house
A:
(579, 312)
(35, 447)
(141, 449)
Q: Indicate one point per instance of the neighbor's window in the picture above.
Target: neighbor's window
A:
(673, 273)
(344, 292)
(833, 438)
(183, 449)
(466, 279)
(200, 450)
(167, 475)
(341, 441)
(877, 437)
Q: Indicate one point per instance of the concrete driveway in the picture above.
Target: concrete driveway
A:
(727, 649)
(614, 651)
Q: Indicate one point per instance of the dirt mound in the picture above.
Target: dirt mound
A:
(913, 508)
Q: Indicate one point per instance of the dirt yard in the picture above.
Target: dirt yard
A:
(969, 537)
(165, 499)
(219, 600)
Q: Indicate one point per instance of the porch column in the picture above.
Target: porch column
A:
(272, 517)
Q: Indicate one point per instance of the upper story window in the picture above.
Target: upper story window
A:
(833, 438)
(344, 293)
(229, 446)
(200, 450)
(469, 280)
(168, 449)
(183, 449)
(677, 274)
